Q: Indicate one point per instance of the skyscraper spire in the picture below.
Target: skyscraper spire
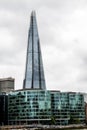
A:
(34, 74)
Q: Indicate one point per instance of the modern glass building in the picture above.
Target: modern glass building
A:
(34, 73)
(29, 106)
(45, 107)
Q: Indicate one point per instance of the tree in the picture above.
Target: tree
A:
(53, 121)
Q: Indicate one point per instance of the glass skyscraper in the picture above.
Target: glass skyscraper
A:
(34, 74)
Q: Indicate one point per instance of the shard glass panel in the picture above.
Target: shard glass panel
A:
(34, 74)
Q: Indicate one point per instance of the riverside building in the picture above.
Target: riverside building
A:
(34, 104)
(45, 107)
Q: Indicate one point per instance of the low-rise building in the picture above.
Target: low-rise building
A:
(45, 107)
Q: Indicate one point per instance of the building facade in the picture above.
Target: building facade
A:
(77, 107)
(34, 73)
(6, 85)
(60, 107)
(3, 109)
(45, 107)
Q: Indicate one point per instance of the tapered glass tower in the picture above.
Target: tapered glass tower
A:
(34, 73)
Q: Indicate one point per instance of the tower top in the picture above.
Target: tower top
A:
(34, 74)
(33, 13)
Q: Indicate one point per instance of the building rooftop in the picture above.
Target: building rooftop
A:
(7, 79)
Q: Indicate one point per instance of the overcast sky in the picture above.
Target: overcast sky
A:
(62, 26)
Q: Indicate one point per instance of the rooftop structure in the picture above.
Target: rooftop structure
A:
(34, 74)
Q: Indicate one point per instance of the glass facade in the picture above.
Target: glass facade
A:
(76, 106)
(45, 107)
(34, 74)
(60, 107)
(28, 106)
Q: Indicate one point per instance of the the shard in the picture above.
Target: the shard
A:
(34, 73)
